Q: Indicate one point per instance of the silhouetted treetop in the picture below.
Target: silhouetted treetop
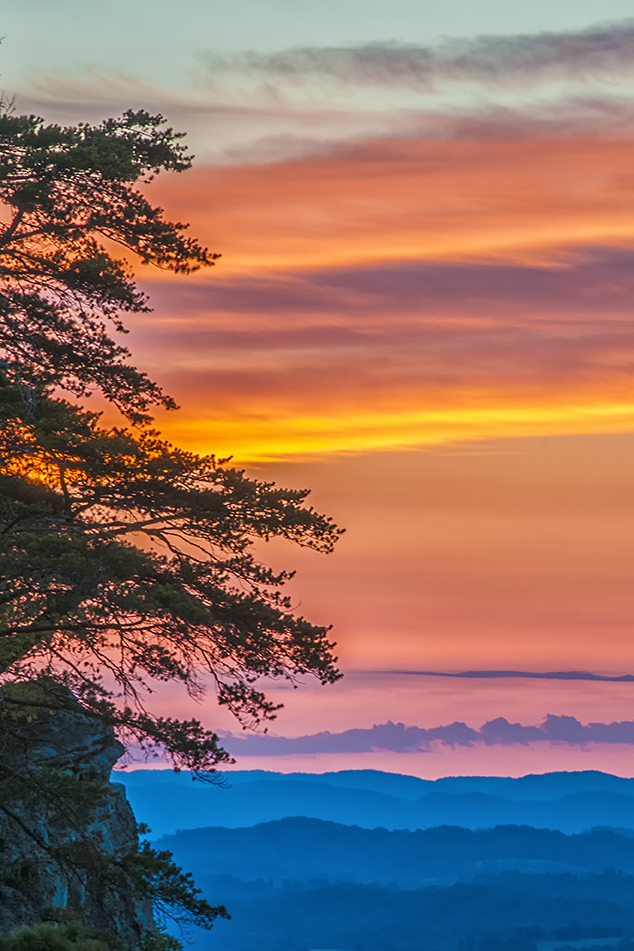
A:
(69, 195)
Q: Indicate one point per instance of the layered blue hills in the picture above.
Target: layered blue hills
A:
(567, 801)
(372, 861)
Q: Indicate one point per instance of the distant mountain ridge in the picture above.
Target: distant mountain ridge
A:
(568, 801)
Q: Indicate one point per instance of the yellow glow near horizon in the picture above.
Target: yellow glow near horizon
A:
(271, 438)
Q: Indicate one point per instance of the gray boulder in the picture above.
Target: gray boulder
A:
(68, 836)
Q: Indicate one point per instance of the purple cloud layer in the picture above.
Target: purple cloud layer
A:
(592, 282)
(422, 324)
(399, 738)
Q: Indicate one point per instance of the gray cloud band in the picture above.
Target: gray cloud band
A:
(399, 738)
(598, 53)
(521, 674)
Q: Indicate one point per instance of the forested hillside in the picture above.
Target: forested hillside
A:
(306, 850)
(303, 883)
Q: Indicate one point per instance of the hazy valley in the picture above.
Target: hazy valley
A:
(372, 861)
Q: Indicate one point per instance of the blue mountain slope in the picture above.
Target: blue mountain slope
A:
(166, 808)
(538, 786)
(570, 802)
(309, 850)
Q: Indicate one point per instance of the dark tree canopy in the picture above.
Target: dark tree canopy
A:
(65, 192)
(125, 556)
(125, 561)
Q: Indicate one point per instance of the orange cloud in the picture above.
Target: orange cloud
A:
(400, 293)
(357, 359)
(316, 333)
(394, 200)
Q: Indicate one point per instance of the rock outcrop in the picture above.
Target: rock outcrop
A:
(68, 836)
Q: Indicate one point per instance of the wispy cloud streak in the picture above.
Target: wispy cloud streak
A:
(598, 53)
(263, 108)
(521, 674)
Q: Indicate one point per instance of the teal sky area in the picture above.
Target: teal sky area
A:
(161, 42)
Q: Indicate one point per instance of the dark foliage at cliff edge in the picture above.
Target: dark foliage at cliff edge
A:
(124, 560)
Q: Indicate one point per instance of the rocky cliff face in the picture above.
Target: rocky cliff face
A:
(67, 834)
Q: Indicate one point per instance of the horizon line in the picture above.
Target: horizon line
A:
(525, 674)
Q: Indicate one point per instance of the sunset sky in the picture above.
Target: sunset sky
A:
(424, 312)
